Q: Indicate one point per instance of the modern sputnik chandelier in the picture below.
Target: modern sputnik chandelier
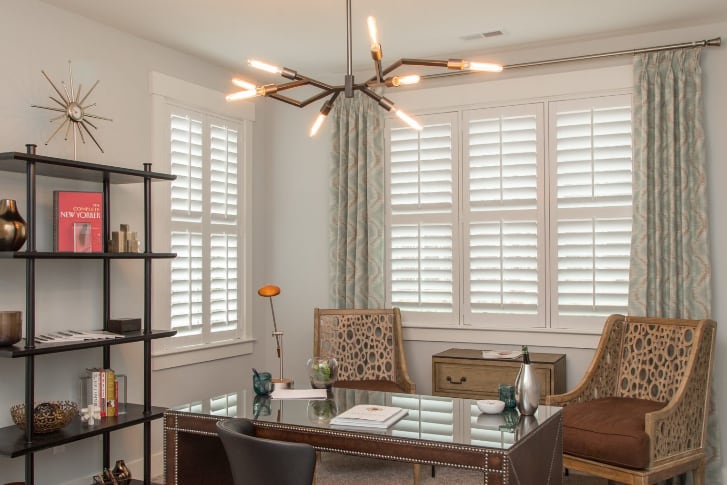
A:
(381, 78)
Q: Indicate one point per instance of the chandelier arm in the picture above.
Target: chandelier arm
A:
(301, 104)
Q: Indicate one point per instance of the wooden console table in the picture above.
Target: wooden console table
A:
(465, 373)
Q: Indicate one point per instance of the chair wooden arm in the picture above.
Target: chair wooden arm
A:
(599, 380)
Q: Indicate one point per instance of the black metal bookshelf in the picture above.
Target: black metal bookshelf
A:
(17, 442)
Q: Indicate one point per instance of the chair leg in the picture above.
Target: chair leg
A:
(432, 471)
(698, 474)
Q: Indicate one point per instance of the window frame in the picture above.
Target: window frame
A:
(603, 81)
(167, 93)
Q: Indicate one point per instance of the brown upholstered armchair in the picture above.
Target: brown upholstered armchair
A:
(368, 345)
(639, 414)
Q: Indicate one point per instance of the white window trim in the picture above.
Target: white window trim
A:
(496, 92)
(167, 353)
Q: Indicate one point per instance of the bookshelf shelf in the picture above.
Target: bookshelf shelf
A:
(17, 442)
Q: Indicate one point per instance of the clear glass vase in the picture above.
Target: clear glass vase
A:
(322, 372)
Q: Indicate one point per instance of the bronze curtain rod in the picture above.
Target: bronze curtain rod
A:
(715, 42)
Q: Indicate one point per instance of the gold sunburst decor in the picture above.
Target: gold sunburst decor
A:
(74, 111)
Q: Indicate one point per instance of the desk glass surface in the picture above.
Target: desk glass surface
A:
(434, 418)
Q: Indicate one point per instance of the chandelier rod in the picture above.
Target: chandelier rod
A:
(349, 42)
(715, 42)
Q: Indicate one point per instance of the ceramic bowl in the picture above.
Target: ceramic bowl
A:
(490, 406)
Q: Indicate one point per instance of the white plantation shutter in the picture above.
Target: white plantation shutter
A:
(223, 282)
(205, 227)
(186, 165)
(186, 290)
(223, 173)
(422, 200)
(541, 234)
(502, 178)
(592, 210)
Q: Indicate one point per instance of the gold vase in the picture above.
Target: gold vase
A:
(12, 226)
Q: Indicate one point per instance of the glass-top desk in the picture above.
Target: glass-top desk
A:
(507, 448)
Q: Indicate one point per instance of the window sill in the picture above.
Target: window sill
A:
(167, 358)
(540, 337)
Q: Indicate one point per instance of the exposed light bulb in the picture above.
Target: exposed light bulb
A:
(243, 84)
(264, 66)
(405, 80)
(317, 124)
(246, 94)
(408, 120)
(373, 31)
(482, 66)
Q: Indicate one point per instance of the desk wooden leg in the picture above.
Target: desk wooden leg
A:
(417, 471)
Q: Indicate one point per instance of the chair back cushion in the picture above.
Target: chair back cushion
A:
(362, 341)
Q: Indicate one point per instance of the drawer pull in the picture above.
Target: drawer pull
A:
(460, 381)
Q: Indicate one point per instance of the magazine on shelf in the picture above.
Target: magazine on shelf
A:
(369, 416)
(78, 221)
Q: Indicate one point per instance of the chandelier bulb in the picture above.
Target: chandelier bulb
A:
(373, 31)
(264, 66)
(397, 81)
(245, 94)
(408, 120)
(317, 124)
(482, 66)
(241, 83)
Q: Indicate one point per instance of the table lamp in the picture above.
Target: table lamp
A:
(269, 291)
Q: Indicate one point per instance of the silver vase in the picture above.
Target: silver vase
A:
(527, 390)
(12, 226)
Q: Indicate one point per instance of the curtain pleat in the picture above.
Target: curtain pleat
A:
(356, 226)
(670, 271)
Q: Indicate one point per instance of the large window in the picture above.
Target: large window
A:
(516, 216)
(205, 220)
(205, 230)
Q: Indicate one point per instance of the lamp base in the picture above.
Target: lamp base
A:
(282, 383)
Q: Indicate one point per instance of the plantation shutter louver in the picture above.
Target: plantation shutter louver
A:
(593, 206)
(423, 196)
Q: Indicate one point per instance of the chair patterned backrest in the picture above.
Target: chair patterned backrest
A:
(364, 342)
(648, 358)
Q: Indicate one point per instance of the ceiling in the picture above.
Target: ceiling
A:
(310, 35)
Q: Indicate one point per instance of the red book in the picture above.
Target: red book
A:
(78, 221)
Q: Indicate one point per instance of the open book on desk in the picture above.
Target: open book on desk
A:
(369, 416)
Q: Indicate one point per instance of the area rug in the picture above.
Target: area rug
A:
(335, 469)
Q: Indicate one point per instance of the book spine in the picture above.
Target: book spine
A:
(95, 388)
(102, 403)
(110, 393)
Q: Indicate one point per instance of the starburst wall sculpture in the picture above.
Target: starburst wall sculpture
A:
(75, 114)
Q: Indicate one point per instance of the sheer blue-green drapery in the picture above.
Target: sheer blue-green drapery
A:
(356, 223)
(670, 271)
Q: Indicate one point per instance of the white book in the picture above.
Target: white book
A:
(369, 416)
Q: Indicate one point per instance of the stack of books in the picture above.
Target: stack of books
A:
(369, 416)
(100, 388)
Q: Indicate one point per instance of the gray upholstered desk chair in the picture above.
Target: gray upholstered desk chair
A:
(260, 460)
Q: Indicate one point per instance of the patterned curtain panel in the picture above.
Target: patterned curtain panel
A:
(356, 226)
(670, 259)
